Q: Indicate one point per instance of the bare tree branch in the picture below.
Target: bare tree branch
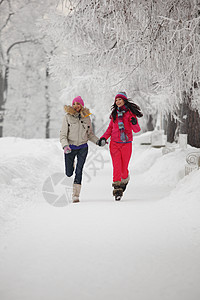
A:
(17, 43)
(12, 13)
(6, 22)
(115, 44)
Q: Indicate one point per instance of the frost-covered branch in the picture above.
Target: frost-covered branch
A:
(7, 20)
(129, 41)
(18, 43)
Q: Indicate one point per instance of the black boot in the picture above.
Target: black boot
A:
(118, 191)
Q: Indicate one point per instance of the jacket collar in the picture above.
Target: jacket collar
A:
(122, 108)
(85, 112)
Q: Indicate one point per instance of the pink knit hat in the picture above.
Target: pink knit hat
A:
(79, 100)
(121, 95)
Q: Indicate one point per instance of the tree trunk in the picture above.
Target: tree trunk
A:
(1, 103)
(47, 97)
(171, 128)
(183, 114)
(3, 96)
(194, 128)
(150, 126)
(190, 122)
(3, 92)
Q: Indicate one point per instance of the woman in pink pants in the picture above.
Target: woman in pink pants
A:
(123, 121)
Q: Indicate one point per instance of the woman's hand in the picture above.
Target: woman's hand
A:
(67, 149)
(133, 120)
(101, 142)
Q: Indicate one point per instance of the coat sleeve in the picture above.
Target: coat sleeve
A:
(136, 128)
(108, 132)
(91, 136)
(64, 133)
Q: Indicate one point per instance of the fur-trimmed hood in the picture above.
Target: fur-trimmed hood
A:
(84, 112)
(76, 128)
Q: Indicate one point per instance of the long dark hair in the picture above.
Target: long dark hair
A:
(134, 108)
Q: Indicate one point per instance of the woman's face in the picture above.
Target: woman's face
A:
(77, 106)
(119, 102)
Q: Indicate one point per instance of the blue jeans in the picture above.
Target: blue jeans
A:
(69, 163)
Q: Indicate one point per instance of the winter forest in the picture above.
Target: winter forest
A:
(146, 246)
(53, 50)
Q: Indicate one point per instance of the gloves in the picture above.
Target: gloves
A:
(101, 142)
(67, 149)
(133, 121)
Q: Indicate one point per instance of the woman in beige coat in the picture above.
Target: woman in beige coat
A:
(75, 132)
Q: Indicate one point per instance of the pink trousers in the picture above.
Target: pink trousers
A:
(121, 154)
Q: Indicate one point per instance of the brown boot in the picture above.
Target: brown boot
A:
(118, 191)
(124, 182)
(76, 192)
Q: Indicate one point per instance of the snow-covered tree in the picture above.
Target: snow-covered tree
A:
(107, 46)
(28, 90)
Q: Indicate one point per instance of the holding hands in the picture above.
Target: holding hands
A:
(101, 142)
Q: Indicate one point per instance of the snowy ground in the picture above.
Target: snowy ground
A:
(146, 247)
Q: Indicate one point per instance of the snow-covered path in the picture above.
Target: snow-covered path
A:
(145, 247)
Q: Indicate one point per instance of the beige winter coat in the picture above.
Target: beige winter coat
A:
(76, 128)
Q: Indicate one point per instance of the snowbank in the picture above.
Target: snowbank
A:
(30, 162)
(145, 247)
